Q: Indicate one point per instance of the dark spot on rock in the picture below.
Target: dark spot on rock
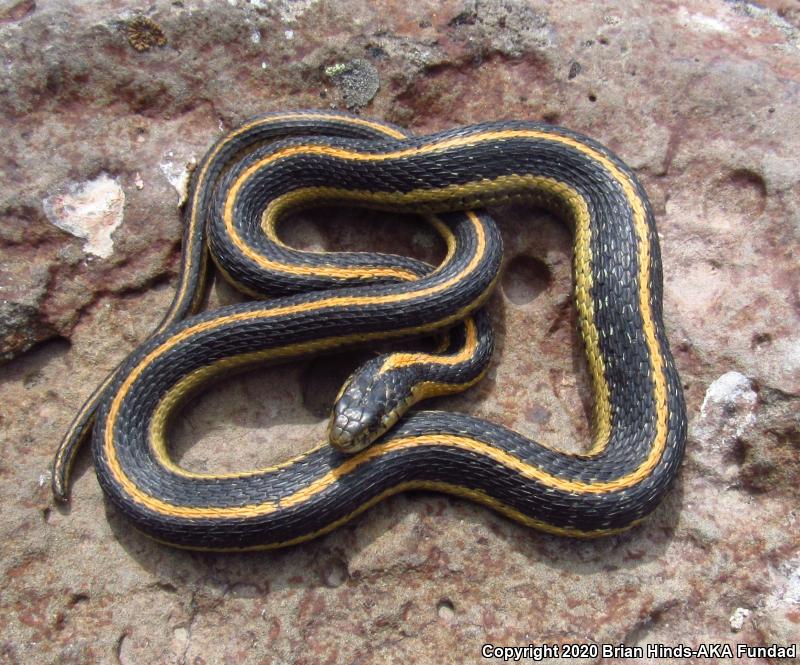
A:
(467, 17)
(729, 409)
(376, 52)
(122, 647)
(592, 97)
(445, 609)
(21, 327)
(539, 414)
(752, 190)
(59, 620)
(335, 573)
(603, 41)
(574, 70)
(552, 117)
(77, 599)
(16, 11)
(742, 192)
(738, 451)
(760, 340)
(525, 278)
(144, 33)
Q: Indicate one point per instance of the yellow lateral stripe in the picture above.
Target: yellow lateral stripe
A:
(398, 360)
(508, 460)
(70, 435)
(349, 155)
(428, 389)
(293, 202)
(303, 495)
(201, 177)
(458, 491)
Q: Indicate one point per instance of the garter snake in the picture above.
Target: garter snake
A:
(278, 163)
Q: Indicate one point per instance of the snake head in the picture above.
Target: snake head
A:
(371, 401)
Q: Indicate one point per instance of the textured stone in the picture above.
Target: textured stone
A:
(358, 81)
(701, 98)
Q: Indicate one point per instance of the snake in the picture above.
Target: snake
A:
(250, 182)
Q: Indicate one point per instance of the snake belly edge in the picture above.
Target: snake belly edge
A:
(639, 414)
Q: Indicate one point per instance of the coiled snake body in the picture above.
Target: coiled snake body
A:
(317, 302)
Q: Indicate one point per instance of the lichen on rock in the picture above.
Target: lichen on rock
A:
(144, 33)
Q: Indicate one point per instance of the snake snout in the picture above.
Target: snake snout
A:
(370, 403)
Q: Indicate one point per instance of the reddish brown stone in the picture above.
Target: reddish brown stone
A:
(700, 97)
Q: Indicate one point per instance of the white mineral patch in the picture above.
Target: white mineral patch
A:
(90, 210)
(792, 593)
(701, 22)
(177, 173)
(731, 389)
(728, 412)
(290, 10)
(738, 618)
(786, 585)
(789, 350)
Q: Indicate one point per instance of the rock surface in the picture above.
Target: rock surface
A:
(701, 97)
